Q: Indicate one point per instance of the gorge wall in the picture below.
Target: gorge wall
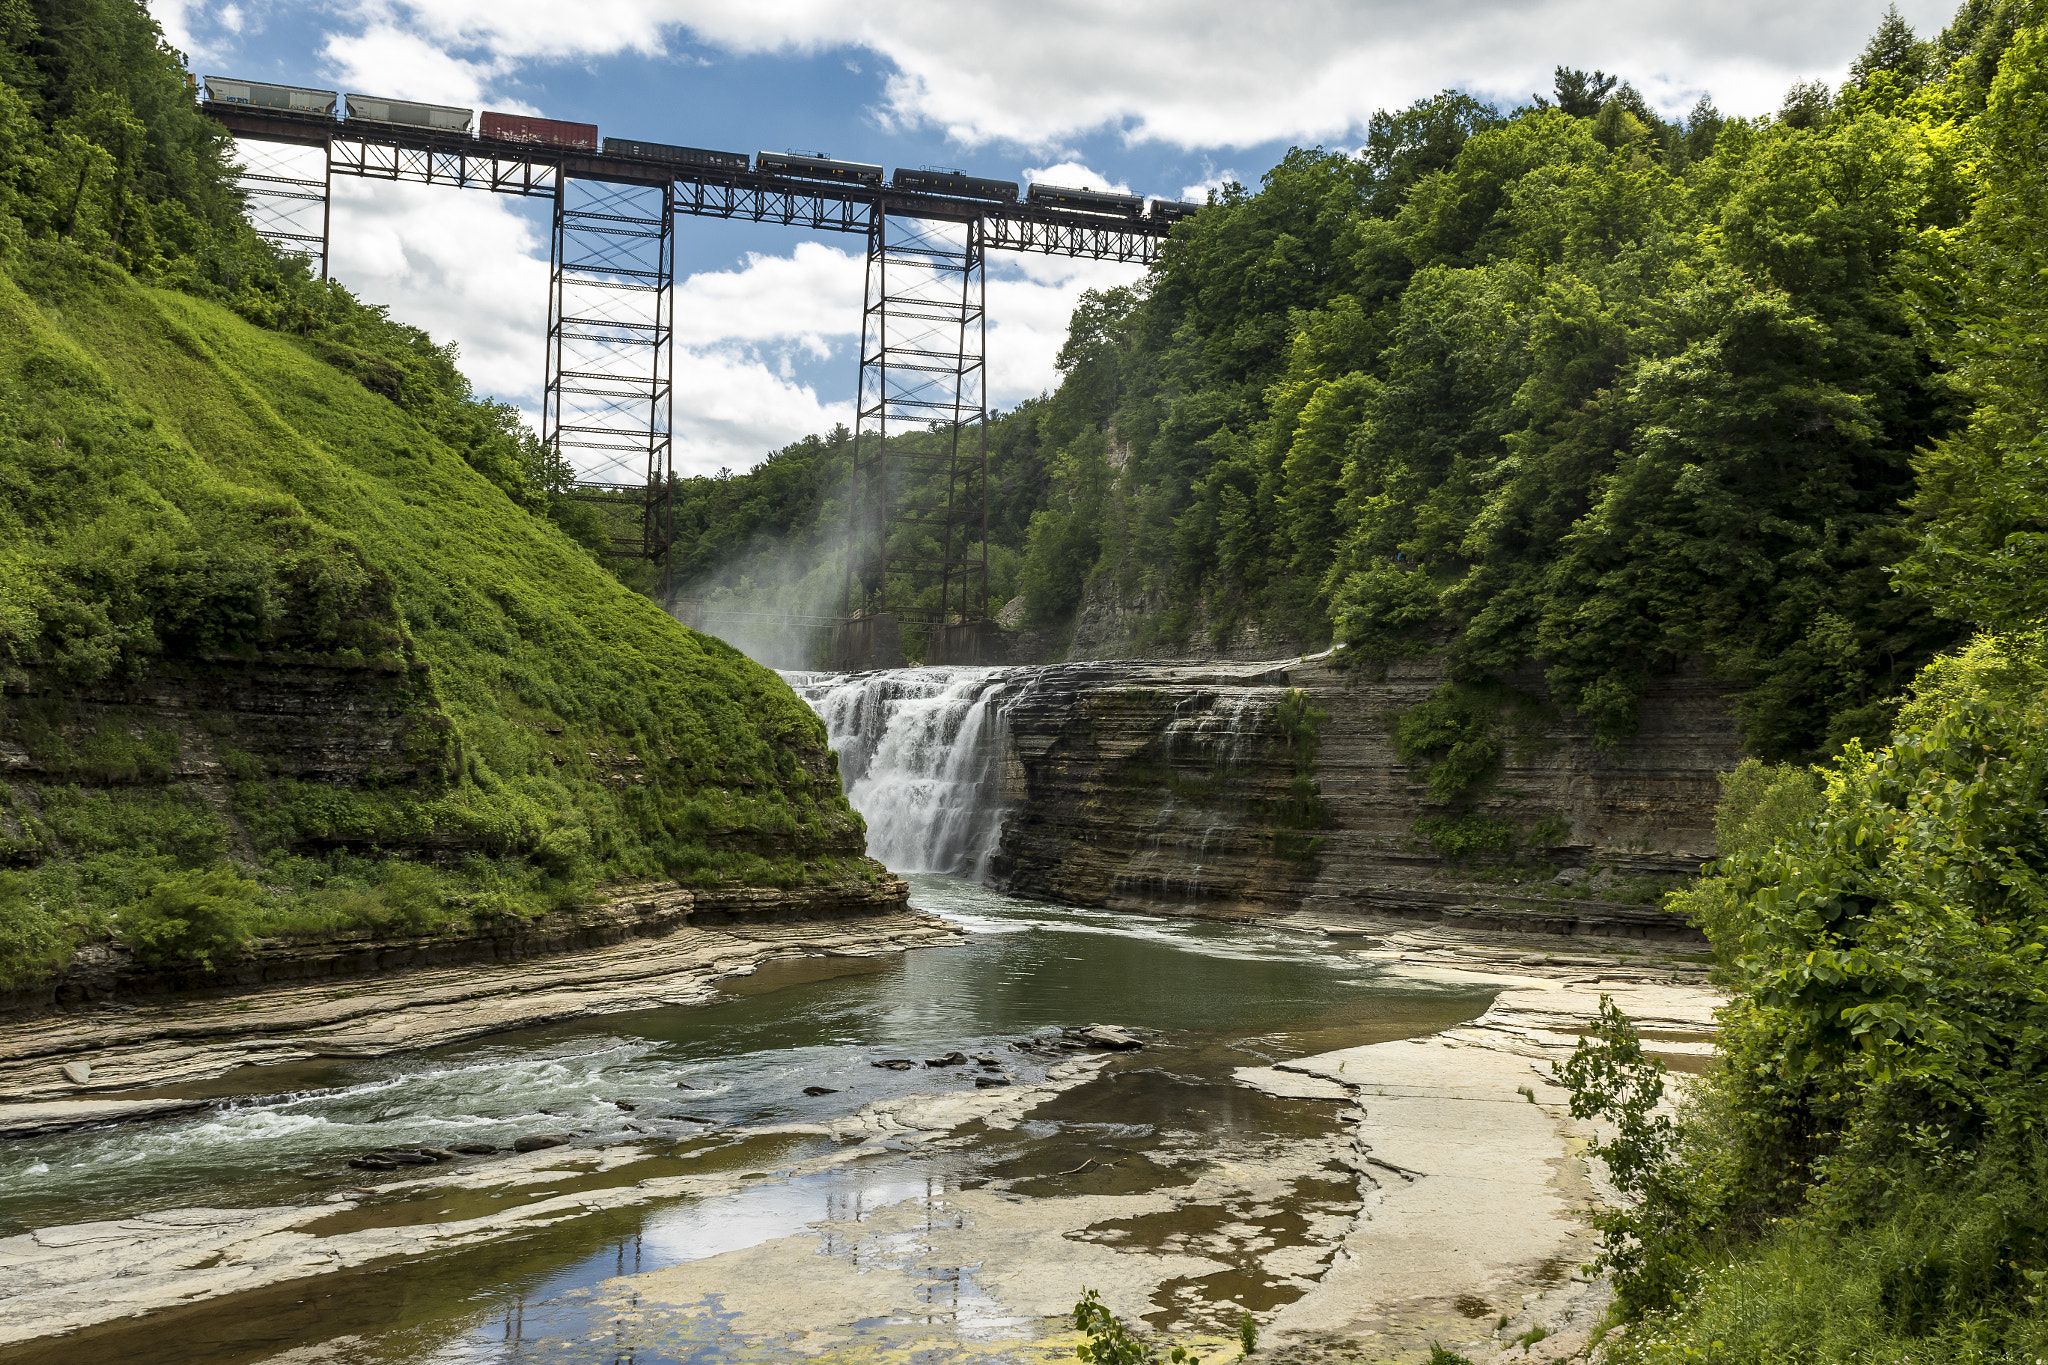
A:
(1251, 789)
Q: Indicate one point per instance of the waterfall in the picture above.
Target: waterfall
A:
(921, 752)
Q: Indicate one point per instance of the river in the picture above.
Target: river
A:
(692, 1090)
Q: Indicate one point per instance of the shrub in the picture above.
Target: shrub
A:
(206, 917)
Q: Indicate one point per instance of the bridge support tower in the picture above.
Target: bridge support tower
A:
(608, 401)
(917, 507)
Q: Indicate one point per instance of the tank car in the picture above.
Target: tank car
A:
(956, 185)
(291, 98)
(548, 132)
(686, 156)
(1087, 201)
(440, 117)
(817, 168)
(1172, 210)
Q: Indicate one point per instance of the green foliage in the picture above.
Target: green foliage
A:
(1247, 1332)
(34, 940)
(204, 917)
(1864, 1173)
(1983, 491)
(1610, 1079)
(1453, 733)
(1761, 805)
(1458, 838)
(1109, 1342)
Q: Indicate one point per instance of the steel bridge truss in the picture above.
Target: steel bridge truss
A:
(285, 189)
(917, 512)
(917, 528)
(608, 404)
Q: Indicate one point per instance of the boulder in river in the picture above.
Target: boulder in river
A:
(895, 1064)
(950, 1059)
(372, 1163)
(990, 1082)
(819, 1090)
(403, 1156)
(534, 1142)
(626, 1105)
(1108, 1037)
(474, 1148)
(688, 1118)
(440, 1153)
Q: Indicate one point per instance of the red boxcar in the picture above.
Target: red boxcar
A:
(553, 132)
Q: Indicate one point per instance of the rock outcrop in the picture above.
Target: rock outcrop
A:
(109, 971)
(1152, 786)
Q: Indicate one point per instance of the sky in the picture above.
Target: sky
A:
(1160, 99)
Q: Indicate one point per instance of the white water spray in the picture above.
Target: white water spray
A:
(921, 751)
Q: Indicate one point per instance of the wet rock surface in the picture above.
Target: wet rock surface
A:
(186, 1039)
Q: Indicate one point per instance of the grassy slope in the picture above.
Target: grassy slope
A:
(179, 430)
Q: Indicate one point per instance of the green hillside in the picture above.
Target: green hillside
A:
(187, 500)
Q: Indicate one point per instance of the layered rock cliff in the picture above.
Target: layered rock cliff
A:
(1154, 786)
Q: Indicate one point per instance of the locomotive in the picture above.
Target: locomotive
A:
(298, 102)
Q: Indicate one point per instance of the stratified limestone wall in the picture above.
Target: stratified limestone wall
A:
(1163, 786)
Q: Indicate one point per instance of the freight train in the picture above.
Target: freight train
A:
(494, 127)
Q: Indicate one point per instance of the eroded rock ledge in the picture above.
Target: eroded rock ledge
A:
(645, 949)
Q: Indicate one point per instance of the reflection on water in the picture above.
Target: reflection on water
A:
(1224, 995)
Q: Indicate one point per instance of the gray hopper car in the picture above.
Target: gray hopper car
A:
(440, 117)
(817, 168)
(688, 156)
(1172, 210)
(1088, 201)
(291, 98)
(955, 184)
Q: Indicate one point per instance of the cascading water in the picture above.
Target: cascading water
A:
(921, 752)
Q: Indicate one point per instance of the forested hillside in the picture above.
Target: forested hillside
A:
(290, 640)
(1572, 384)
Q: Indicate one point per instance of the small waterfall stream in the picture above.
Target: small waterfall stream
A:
(921, 752)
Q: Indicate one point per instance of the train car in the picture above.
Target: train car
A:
(549, 132)
(686, 156)
(440, 117)
(1172, 210)
(222, 90)
(817, 168)
(1087, 201)
(955, 185)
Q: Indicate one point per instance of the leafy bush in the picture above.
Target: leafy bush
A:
(34, 941)
(1459, 837)
(1109, 1342)
(207, 917)
(1453, 733)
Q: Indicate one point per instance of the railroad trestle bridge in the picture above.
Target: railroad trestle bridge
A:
(608, 391)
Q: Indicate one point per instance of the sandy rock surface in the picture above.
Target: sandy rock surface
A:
(1481, 1183)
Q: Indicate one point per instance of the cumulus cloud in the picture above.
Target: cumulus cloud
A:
(1030, 299)
(1195, 73)
(797, 300)
(1074, 176)
(469, 268)
(731, 410)
(1198, 193)
(202, 32)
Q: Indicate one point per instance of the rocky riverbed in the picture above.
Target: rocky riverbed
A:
(112, 1060)
(1359, 1200)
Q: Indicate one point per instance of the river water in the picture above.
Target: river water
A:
(687, 1087)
